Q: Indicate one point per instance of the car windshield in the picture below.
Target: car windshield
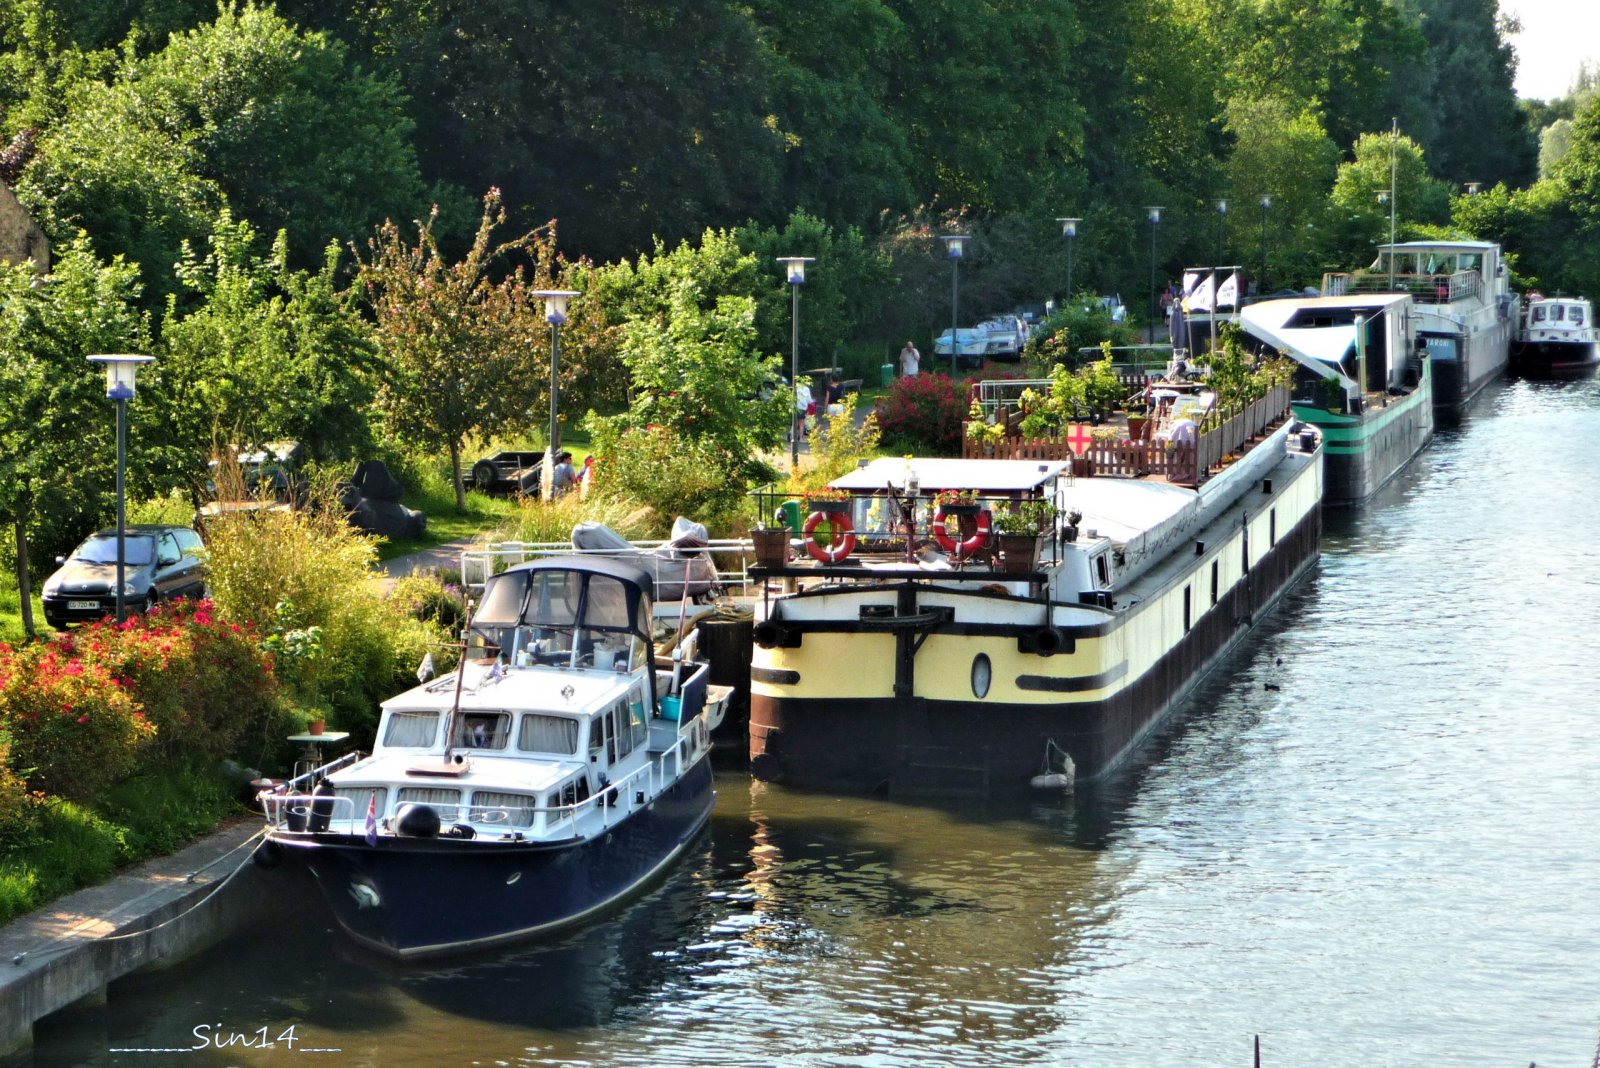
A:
(140, 550)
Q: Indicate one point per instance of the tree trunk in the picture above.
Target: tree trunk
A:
(455, 477)
(24, 584)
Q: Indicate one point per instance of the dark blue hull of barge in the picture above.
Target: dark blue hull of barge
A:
(421, 897)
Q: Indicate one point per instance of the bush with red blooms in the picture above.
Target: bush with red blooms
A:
(86, 709)
(923, 413)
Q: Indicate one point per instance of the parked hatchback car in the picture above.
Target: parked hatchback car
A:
(160, 562)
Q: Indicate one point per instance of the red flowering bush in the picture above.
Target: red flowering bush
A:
(924, 413)
(86, 708)
(206, 685)
(74, 727)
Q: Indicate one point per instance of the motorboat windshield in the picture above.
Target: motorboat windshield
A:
(591, 614)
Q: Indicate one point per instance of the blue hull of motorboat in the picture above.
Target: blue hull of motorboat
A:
(423, 897)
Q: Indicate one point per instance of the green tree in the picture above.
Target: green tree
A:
(245, 109)
(1420, 198)
(455, 336)
(267, 353)
(689, 341)
(57, 444)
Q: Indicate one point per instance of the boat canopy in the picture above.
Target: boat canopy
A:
(931, 473)
(586, 593)
(1319, 333)
(1438, 257)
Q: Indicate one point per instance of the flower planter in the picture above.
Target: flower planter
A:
(960, 509)
(1019, 553)
(316, 726)
(828, 505)
(771, 546)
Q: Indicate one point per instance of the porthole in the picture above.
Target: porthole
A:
(981, 675)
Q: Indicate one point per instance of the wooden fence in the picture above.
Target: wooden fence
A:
(1184, 463)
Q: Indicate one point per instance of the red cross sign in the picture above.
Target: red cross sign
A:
(1079, 438)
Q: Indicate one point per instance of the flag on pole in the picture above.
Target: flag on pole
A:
(425, 669)
(1204, 297)
(372, 818)
(1228, 294)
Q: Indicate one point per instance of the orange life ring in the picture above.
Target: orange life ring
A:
(968, 547)
(844, 537)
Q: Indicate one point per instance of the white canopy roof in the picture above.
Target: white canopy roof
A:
(933, 473)
(1321, 348)
(1122, 509)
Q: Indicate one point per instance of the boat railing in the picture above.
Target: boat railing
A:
(345, 813)
(1182, 462)
(993, 394)
(729, 557)
(1424, 288)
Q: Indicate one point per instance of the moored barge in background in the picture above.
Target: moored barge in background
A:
(899, 669)
(1464, 309)
(1360, 378)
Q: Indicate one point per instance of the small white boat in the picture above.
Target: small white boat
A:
(1557, 336)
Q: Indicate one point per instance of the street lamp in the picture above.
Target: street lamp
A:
(1386, 196)
(1155, 218)
(1473, 187)
(555, 313)
(1266, 202)
(120, 373)
(1069, 230)
(1222, 214)
(955, 246)
(796, 267)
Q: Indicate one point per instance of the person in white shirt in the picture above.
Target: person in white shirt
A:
(909, 358)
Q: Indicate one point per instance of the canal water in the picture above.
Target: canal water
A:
(1372, 839)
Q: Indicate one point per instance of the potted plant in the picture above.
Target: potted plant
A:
(828, 500)
(1019, 529)
(957, 502)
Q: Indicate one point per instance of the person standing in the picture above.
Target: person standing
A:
(909, 359)
(565, 475)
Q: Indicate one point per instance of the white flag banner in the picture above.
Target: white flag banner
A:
(1190, 280)
(1204, 297)
(425, 669)
(1228, 293)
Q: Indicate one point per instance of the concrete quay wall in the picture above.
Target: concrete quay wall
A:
(152, 916)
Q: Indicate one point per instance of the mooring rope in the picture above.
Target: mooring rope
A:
(43, 947)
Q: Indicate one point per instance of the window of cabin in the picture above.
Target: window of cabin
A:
(411, 730)
(541, 733)
(1214, 577)
(1186, 610)
(1102, 571)
(445, 802)
(491, 806)
(638, 716)
(1272, 528)
(621, 731)
(355, 800)
(484, 730)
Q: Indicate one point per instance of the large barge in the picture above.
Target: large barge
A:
(1464, 309)
(1360, 378)
(897, 668)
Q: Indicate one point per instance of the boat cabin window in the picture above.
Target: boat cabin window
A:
(484, 730)
(411, 730)
(1576, 318)
(1558, 313)
(548, 734)
(1102, 570)
(355, 799)
(621, 730)
(1539, 313)
(446, 802)
(490, 806)
(638, 716)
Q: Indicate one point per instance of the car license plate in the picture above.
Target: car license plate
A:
(82, 606)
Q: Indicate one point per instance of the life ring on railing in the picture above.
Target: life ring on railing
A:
(968, 547)
(844, 537)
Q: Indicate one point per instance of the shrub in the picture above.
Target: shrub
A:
(432, 598)
(68, 846)
(536, 520)
(837, 445)
(74, 728)
(206, 685)
(314, 560)
(175, 508)
(671, 473)
(923, 412)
